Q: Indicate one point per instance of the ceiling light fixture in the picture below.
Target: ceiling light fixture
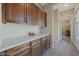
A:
(66, 5)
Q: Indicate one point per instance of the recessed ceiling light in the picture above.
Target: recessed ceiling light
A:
(66, 5)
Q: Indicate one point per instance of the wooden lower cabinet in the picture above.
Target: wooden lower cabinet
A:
(22, 50)
(36, 48)
(43, 44)
(33, 48)
(48, 42)
(3, 53)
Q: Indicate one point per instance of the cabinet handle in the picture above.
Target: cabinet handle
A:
(25, 20)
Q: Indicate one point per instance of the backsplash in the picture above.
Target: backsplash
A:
(12, 30)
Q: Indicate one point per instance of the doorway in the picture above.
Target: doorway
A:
(66, 24)
(66, 29)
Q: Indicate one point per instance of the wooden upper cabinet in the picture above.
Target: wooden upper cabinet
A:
(31, 14)
(44, 19)
(14, 12)
(23, 13)
(41, 16)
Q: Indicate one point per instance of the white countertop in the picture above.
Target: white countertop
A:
(13, 42)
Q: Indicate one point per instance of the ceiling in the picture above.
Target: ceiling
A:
(44, 4)
(41, 5)
(64, 6)
(60, 6)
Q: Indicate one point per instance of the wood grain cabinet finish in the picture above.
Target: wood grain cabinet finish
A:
(33, 48)
(44, 19)
(31, 14)
(23, 13)
(3, 53)
(22, 50)
(43, 44)
(36, 48)
(41, 17)
(14, 12)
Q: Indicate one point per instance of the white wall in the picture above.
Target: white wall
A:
(57, 26)
(55, 16)
(75, 41)
(11, 30)
(0, 12)
(48, 9)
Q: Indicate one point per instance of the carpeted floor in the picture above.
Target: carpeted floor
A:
(63, 48)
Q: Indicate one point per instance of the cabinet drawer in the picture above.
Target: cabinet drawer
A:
(24, 53)
(36, 50)
(35, 42)
(2, 53)
(19, 49)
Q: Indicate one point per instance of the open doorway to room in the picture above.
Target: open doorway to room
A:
(66, 31)
(66, 18)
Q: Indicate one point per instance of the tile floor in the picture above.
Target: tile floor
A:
(63, 48)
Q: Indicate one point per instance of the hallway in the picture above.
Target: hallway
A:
(63, 48)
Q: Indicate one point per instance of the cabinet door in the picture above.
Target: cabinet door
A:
(36, 48)
(48, 41)
(31, 14)
(22, 50)
(44, 44)
(39, 16)
(44, 19)
(14, 12)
